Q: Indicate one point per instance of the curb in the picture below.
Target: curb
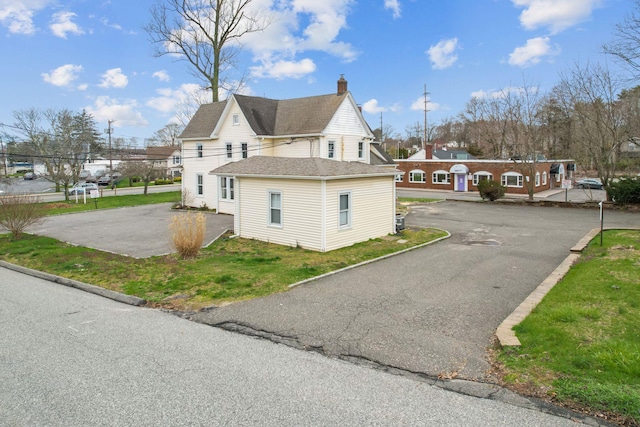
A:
(116, 296)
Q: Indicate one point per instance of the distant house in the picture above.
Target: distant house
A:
(166, 159)
(315, 203)
(424, 170)
(325, 126)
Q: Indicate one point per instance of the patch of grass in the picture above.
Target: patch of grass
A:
(230, 269)
(56, 208)
(582, 343)
(416, 200)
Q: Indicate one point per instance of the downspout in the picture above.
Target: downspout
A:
(323, 228)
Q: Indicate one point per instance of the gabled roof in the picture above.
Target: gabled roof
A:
(299, 167)
(270, 117)
(161, 152)
(380, 157)
(452, 154)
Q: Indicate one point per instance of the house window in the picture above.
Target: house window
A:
(544, 178)
(245, 150)
(199, 184)
(275, 208)
(417, 176)
(331, 148)
(399, 177)
(176, 160)
(361, 150)
(236, 119)
(199, 153)
(441, 177)
(481, 176)
(226, 188)
(229, 151)
(537, 179)
(511, 179)
(345, 210)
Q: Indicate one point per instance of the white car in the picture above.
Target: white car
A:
(82, 188)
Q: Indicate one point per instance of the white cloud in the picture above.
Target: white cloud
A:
(61, 24)
(442, 55)
(295, 27)
(63, 76)
(394, 6)
(108, 24)
(418, 105)
(17, 15)
(558, 15)
(532, 52)
(124, 113)
(372, 107)
(284, 69)
(170, 99)
(161, 75)
(114, 78)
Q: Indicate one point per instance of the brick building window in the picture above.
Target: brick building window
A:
(441, 177)
(511, 179)
(482, 176)
(417, 176)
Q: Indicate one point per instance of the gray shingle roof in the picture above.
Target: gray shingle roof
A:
(314, 167)
(269, 117)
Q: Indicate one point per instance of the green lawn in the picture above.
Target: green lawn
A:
(55, 208)
(231, 269)
(581, 345)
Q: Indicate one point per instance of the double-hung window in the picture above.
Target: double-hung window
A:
(416, 176)
(199, 184)
(226, 188)
(275, 208)
(361, 150)
(331, 149)
(245, 150)
(199, 151)
(441, 177)
(344, 220)
(229, 150)
(176, 160)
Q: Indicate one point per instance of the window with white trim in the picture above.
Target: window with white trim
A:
(331, 149)
(482, 176)
(245, 150)
(544, 178)
(537, 179)
(275, 208)
(511, 179)
(199, 151)
(176, 160)
(441, 177)
(417, 176)
(199, 184)
(345, 209)
(399, 177)
(361, 150)
(226, 188)
(236, 119)
(229, 148)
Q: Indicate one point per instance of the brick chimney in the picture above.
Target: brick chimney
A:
(342, 85)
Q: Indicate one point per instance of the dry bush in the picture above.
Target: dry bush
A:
(187, 233)
(19, 211)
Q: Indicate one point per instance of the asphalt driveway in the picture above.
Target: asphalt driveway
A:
(140, 231)
(432, 311)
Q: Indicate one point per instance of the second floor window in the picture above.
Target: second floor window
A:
(361, 150)
(199, 153)
(245, 150)
(331, 149)
(176, 160)
(229, 151)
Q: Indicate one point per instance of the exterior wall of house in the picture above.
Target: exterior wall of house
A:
(372, 210)
(496, 168)
(301, 211)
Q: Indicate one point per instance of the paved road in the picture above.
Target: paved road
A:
(69, 358)
(434, 310)
(141, 231)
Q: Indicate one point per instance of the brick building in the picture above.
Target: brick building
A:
(423, 172)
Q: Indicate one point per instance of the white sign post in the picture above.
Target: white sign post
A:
(566, 184)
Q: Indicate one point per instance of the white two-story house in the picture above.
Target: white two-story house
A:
(326, 126)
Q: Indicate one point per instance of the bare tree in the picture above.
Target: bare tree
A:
(599, 125)
(626, 44)
(142, 169)
(205, 33)
(19, 211)
(168, 135)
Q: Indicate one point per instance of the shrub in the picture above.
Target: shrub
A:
(625, 191)
(490, 189)
(19, 211)
(177, 179)
(187, 233)
(162, 181)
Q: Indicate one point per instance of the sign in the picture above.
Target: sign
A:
(566, 183)
(95, 194)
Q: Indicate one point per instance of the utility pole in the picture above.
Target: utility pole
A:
(109, 131)
(426, 132)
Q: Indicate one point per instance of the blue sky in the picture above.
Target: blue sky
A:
(95, 55)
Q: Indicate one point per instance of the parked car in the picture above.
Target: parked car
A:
(29, 175)
(82, 188)
(104, 180)
(589, 183)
